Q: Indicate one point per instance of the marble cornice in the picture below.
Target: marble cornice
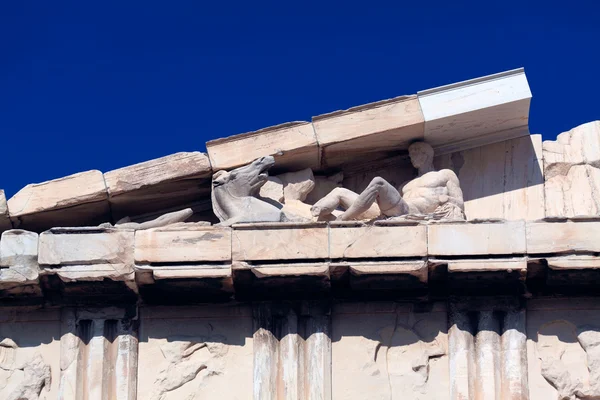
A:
(192, 262)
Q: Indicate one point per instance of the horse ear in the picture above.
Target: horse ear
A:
(220, 177)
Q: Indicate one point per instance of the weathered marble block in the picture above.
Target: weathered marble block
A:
(376, 127)
(500, 180)
(566, 237)
(19, 270)
(173, 181)
(573, 262)
(279, 241)
(286, 270)
(74, 200)
(386, 278)
(186, 258)
(449, 239)
(5, 223)
(183, 244)
(490, 265)
(87, 254)
(418, 269)
(293, 145)
(348, 240)
(477, 111)
(572, 172)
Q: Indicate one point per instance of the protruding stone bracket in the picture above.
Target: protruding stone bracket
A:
(19, 269)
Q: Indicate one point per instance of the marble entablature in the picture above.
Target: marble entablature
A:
(424, 247)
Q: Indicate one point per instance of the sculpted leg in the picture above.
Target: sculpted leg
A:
(379, 190)
(163, 220)
(336, 198)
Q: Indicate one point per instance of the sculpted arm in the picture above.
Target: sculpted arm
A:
(455, 194)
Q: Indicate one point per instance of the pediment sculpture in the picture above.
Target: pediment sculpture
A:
(163, 220)
(248, 194)
(432, 195)
(235, 194)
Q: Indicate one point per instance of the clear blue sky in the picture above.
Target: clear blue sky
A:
(100, 85)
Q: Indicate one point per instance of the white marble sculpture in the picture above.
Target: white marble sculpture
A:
(234, 194)
(290, 190)
(163, 220)
(551, 352)
(432, 195)
(24, 379)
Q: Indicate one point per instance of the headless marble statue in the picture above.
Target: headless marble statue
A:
(163, 220)
(432, 195)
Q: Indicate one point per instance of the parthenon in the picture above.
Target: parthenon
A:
(423, 247)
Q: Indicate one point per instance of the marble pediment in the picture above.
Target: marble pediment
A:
(356, 144)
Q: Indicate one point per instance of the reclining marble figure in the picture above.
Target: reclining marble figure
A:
(163, 220)
(234, 194)
(432, 195)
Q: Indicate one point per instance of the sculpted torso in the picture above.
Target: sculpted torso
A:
(426, 193)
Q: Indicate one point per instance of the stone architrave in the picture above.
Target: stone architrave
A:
(432, 195)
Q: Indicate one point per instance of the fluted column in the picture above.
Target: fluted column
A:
(488, 356)
(98, 355)
(292, 352)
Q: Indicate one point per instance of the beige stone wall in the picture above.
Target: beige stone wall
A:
(196, 353)
(470, 349)
(388, 350)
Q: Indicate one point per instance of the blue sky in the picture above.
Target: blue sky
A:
(100, 85)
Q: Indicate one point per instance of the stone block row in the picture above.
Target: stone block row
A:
(197, 252)
(454, 117)
(91, 197)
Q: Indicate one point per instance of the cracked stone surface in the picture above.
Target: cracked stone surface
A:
(572, 172)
